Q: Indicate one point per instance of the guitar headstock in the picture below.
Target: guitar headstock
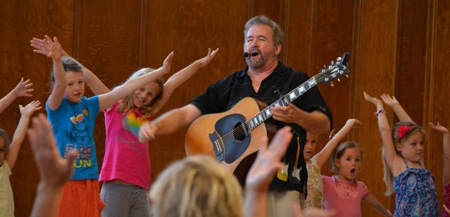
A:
(334, 70)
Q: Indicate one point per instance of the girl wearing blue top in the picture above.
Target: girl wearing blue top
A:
(403, 151)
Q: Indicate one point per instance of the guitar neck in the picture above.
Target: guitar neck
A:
(265, 114)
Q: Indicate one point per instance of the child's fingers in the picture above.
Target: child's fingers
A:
(47, 38)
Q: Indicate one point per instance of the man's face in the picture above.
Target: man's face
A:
(260, 46)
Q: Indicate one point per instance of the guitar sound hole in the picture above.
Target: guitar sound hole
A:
(238, 132)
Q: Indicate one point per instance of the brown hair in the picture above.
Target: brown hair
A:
(4, 135)
(340, 150)
(69, 65)
(278, 35)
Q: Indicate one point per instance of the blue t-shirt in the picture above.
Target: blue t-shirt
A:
(73, 126)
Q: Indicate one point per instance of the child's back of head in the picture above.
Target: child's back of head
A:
(196, 186)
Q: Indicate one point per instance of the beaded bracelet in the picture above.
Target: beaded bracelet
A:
(379, 112)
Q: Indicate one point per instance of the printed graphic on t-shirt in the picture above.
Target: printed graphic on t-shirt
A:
(131, 123)
(83, 159)
(79, 137)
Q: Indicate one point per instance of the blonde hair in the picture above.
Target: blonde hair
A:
(397, 138)
(127, 104)
(340, 150)
(196, 186)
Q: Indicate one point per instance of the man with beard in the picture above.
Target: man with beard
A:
(265, 78)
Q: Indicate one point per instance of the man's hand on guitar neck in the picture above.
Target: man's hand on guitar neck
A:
(147, 132)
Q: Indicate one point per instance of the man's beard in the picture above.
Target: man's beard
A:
(256, 63)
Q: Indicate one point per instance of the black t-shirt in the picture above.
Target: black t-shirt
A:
(224, 94)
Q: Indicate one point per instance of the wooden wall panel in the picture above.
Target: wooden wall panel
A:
(107, 41)
(398, 47)
(377, 39)
(19, 22)
(190, 29)
(411, 57)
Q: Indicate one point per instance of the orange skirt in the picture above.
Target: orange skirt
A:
(81, 198)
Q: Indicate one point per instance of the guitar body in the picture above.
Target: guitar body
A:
(224, 135)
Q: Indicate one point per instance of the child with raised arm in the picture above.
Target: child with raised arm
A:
(126, 182)
(343, 193)
(23, 88)
(315, 163)
(8, 156)
(445, 165)
(73, 117)
(403, 168)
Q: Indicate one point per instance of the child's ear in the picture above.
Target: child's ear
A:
(337, 163)
(398, 147)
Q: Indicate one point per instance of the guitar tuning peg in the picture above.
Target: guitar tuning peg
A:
(339, 80)
(331, 84)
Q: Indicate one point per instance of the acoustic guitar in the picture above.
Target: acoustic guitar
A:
(233, 135)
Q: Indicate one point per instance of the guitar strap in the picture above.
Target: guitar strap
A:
(294, 171)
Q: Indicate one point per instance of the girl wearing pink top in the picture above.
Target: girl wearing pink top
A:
(126, 167)
(342, 192)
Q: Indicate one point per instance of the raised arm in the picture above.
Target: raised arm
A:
(315, 122)
(54, 171)
(96, 85)
(52, 48)
(371, 200)
(446, 147)
(323, 156)
(108, 99)
(23, 88)
(383, 125)
(261, 173)
(395, 105)
(182, 76)
(19, 134)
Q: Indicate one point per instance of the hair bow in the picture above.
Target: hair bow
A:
(402, 130)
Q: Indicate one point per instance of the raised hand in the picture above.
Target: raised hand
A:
(205, 60)
(373, 100)
(267, 162)
(390, 101)
(37, 44)
(30, 108)
(24, 88)
(438, 127)
(354, 122)
(53, 170)
(167, 62)
(48, 47)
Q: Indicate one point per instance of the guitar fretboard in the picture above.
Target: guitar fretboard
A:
(265, 114)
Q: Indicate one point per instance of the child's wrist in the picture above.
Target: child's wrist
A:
(378, 112)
